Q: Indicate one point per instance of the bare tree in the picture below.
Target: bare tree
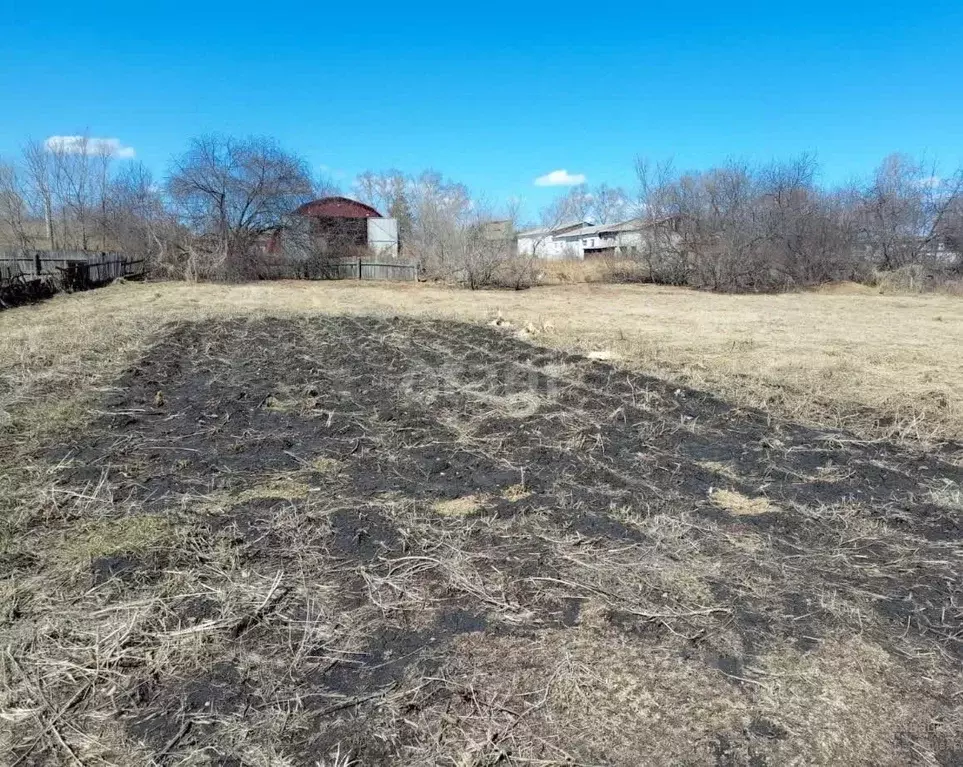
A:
(392, 193)
(442, 212)
(951, 234)
(904, 208)
(14, 211)
(807, 236)
(325, 186)
(140, 225)
(232, 191)
(608, 205)
(668, 255)
(38, 165)
(74, 184)
(381, 189)
(520, 269)
(103, 156)
(490, 256)
(575, 206)
(452, 235)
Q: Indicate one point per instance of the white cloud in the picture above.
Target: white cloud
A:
(560, 178)
(75, 145)
(931, 182)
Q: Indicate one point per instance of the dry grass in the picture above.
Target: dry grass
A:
(459, 507)
(880, 365)
(108, 537)
(590, 271)
(585, 563)
(739, 504)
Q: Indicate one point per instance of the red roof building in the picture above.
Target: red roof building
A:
(336, 227)
(337, 207)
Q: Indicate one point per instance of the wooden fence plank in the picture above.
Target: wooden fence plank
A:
(26, 275)
(73, 270)
(386, 271)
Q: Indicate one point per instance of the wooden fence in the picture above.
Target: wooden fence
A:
(32, 275)
(29, 275)
(343, 269)
(370, 270)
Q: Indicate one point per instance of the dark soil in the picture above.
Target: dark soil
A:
(377, 421)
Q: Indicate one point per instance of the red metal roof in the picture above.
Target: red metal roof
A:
(337, 207)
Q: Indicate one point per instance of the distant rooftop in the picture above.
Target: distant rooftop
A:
(337, 207)
(552, 229)
(629, 225)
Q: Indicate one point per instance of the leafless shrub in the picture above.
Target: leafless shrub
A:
(231, 193)
(908, 210)
(742, 227)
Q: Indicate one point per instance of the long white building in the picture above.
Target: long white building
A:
(547, 242)
(619, 240)
(577, 241)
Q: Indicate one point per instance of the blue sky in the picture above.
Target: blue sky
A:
(497, 94)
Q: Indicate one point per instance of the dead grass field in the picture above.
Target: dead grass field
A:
(880, 365)
(345, 524)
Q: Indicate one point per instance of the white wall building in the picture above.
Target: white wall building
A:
(623, 239)
(548, 242)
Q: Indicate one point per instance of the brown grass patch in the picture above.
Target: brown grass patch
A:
(459, 507)
(516, 492)
(722, 469)
(595, 270)
(846, 288)
(124, 535)
(286, 488)
(736, 503)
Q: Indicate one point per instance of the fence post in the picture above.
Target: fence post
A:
(359, 268)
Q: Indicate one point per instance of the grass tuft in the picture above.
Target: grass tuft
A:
(736, 503)
(459, 507)
(134, 534)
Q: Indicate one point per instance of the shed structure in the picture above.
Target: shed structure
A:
(340, 226)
